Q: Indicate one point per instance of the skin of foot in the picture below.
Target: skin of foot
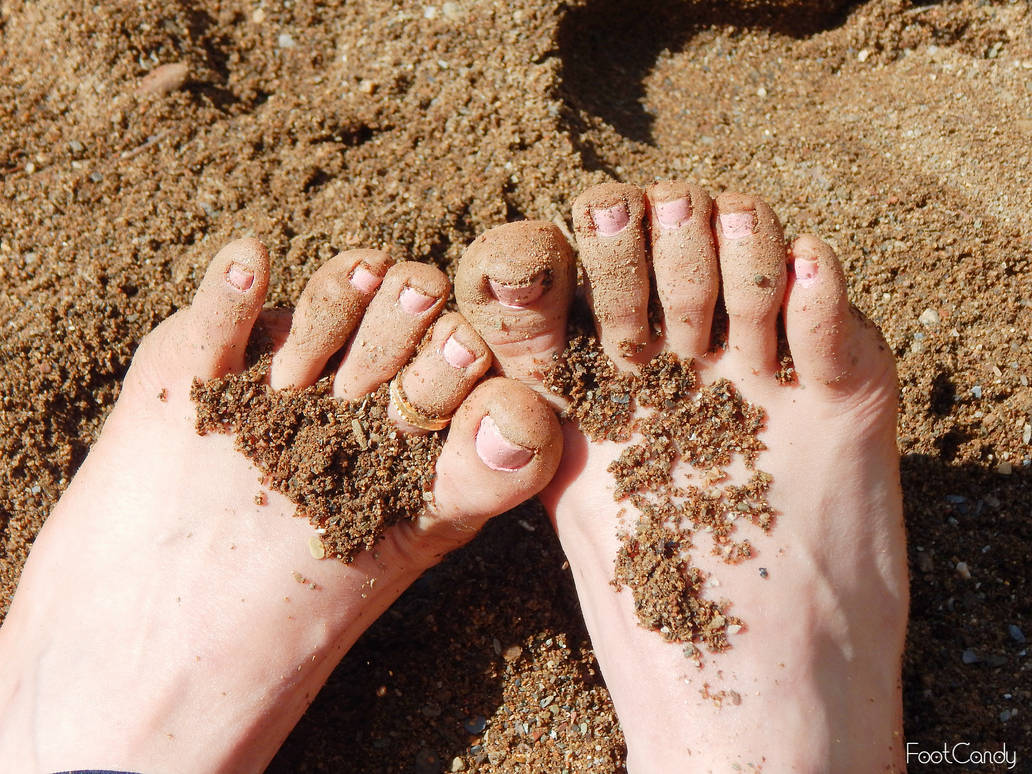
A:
(166, 621)
(812, 681)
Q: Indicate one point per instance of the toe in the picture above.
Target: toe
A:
(224, 310)
(330, 307)
(684, 259)
(826, 336)
(408, 301)
(751, 249)
(609, 223)
(514, 285)
(503, 447)
(431, 387)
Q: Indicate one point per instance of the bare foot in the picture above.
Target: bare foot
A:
(165, 621)
(812, 683)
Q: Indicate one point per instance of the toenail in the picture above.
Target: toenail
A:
(414, 301)
(517, 296)
(364, 280)
(239, 276)
(736, 225)
(674, 214)
(806, 272)
(457, 355)
(497, 451)
(610, 221)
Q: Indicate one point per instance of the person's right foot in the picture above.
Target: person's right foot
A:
(817, 666)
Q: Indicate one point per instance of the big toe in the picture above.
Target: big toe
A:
(514, 285)
(503, 447)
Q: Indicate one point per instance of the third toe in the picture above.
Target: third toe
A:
(684, 260)
(406, 304)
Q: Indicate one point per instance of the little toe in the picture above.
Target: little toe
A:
(831, 345)
(684, 259)
(408, 301)
(428, 390)
(514, 285)
(330, 307)
(503, 447)
(609, 224)
(225, 308)
(751, 249)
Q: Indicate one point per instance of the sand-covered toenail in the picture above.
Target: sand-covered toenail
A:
(457, 355)
(806, 272)
(497, 451)
(414, 301)
(240, 277)
(518, 296)
(737, 225)
(610, 221)
(674, 214)
(364, 280)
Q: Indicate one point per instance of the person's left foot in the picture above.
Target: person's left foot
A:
(166, 620)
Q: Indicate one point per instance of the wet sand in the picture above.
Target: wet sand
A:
(898, 131)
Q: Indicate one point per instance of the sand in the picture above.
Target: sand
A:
(898, 131)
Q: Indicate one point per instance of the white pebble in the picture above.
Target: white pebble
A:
(929, 317)
(862, 55)
(963, 570)
(285, 40)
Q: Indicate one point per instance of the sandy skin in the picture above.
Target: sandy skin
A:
(168, 622)
(812, 684)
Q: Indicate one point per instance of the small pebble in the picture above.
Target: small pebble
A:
(1016, 634)
(929, 317)
(451, 11)
(1005, 468)
(458, 764)
(475, 724)
(285, 40)
(977, 391)
(316, 547)
(512, 653)
(970, 657)
(862, 55)
(1026, 433)
(164, 79)
(963, 570)
(1006, 715)
(75, 146)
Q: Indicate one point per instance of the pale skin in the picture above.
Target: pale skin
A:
(165, 621)
(201, 649)
(815, 673)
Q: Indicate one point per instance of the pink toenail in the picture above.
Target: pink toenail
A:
(517, 296)
(611, 220)
(497, 451)
(240, 277)
(674, 214)
(456, 354)
(414, 302)
(736, 225)
(806, 272)
(364, 280)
